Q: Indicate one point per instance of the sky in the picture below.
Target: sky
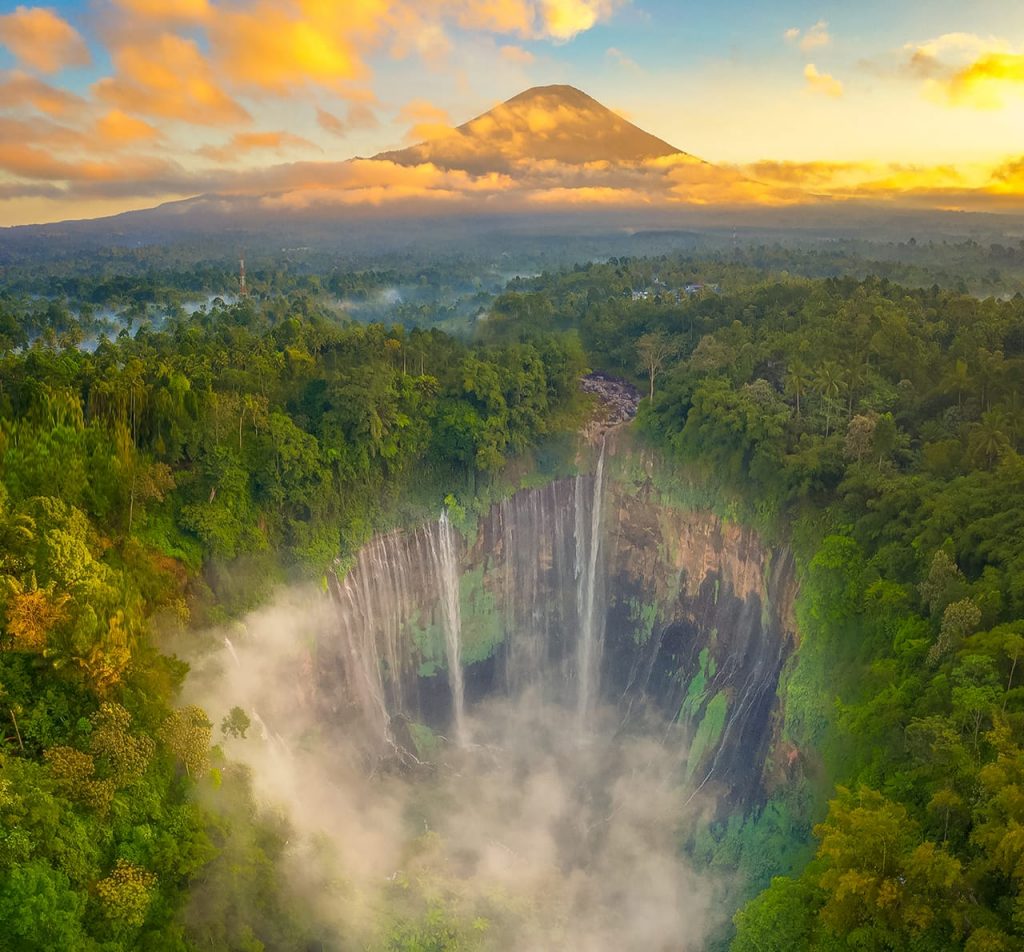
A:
(107, 105)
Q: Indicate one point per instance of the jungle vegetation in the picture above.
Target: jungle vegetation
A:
(878, 430)
(874, 426)
(166, 480)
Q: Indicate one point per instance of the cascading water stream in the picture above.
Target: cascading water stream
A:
(591, 620)
(231, 649)
(428, 624)
(446, 563)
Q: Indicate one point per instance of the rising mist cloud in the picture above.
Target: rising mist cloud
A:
(549, 842)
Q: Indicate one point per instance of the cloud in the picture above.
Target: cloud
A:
(615, 55)
(242, 143)
(330, 123)
(131, 175)
(674, 180)
(803, 174)
(904, 185)
(563, 19)
(589, 195)
(166, 75)
(823, 83)
(358, 116)
(42, 40)
(814, 38)
(429, 122)
(281, 46)
(964, 69)
(926, 58)
(558, 20)
(546, 842)
(986, 83)
(516, 54)
(168, 10)
(361, 116)
(427, 38)
(19, 90)
(119, 127)
(1011, 172)
(16, 191)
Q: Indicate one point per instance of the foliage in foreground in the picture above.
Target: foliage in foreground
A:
(152, 476)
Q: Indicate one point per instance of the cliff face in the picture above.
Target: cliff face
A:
(591, 591)
(702, 616)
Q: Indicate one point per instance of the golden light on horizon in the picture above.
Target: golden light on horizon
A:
(195, 96)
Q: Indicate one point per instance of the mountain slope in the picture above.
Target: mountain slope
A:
(550, 149)
(543, 124)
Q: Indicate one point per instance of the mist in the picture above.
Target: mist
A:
(536, 834)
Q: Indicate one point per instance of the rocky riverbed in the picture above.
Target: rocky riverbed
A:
(618, 398)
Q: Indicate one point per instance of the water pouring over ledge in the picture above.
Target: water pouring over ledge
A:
(530, 633)
(589, 586)
(446, 564)
(401, 616)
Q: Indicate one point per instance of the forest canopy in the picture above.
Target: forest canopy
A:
(173, 475)
(163, 479)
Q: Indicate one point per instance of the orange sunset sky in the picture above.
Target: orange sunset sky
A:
(121, 104)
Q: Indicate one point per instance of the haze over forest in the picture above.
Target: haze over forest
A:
(511, 476)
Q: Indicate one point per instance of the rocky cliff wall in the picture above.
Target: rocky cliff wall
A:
(692, 622)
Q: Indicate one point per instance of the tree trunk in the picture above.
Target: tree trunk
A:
(1009, 682)
(17, 732)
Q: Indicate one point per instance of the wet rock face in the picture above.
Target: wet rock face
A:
(591, 593)
(700, 623)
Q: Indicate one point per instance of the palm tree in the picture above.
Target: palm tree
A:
(958, 379)
(796, 382)
(987, 441)
(828, 381)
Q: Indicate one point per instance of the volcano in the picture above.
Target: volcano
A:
(550, 149)
(557, 124)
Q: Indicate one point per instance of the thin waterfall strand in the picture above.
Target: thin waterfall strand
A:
(592, 622)
(447, 563)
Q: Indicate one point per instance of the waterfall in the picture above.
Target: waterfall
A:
(258, 721)
(358, 655)
(532, 537)
(588, 586)
(428, 623)
(234, 654)
(544, 583)
(446, 564)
